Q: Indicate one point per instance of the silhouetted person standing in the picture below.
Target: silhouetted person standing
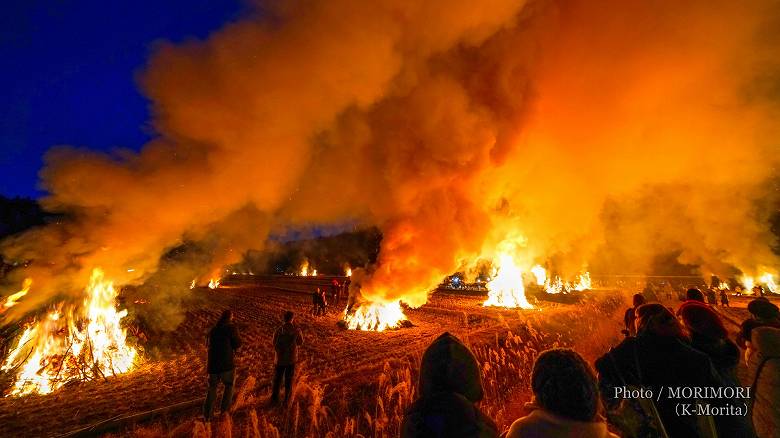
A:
(222, 341)
(630, 316)
(287, 339)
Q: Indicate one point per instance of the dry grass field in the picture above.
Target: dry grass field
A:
(349, 384)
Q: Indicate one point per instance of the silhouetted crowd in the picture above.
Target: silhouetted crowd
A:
(673, 375)
(668, 353)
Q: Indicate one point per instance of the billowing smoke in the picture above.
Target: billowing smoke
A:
(452, 126)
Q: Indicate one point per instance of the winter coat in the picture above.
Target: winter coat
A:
(542, 423)
(709, 335)
(763, 358)
(629, 319)
(723, 353)
(223, 340)
(287, 339)
(450, 385)
(664, 361)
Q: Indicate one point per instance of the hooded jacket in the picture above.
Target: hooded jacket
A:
(450, 385)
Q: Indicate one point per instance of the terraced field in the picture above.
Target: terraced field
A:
(344, 378)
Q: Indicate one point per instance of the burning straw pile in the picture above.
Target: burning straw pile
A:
(71, 343)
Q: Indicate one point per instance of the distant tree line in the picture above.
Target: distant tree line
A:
(20, 214)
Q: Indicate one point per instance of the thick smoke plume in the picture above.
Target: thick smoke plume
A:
(452, 126)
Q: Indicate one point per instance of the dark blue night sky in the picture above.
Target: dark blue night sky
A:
(69, 74)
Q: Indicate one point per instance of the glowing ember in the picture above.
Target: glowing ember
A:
(13, 299)
(214, 283)
(375, 317)
(193, 283)
(348, 271)
(506, 288)
(67, 345)
(540, 274)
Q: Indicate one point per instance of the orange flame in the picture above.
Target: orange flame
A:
(13, 299)
(506, 288)
(540, 274)
(769, 281)
(375, 317)
(67, 346)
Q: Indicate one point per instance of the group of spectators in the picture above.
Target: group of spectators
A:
(663, 350)
(223, 340)
(666, 351)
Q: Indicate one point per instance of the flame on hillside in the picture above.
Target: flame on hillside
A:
(70, 343)
(307, 270)
(748, 283)
(769, 281)
(214, 283)
(556, 286)
(540, 274)
(375, 316)
(506, 289)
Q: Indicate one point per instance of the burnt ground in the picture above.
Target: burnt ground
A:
(346, 363)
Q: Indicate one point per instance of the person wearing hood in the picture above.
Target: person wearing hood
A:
(709, 335)
(566, 400)
(287, 339)
(659, 356)
(449, 388)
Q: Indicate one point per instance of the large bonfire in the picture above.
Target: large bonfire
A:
(71, 342)
(375, 316)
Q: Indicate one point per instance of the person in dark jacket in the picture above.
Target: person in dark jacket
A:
(450, 386)
(657, 357)
(287, 339)
(694, 294)
(222, 342)
(709, 335)
(724, 298)
(630, 316)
